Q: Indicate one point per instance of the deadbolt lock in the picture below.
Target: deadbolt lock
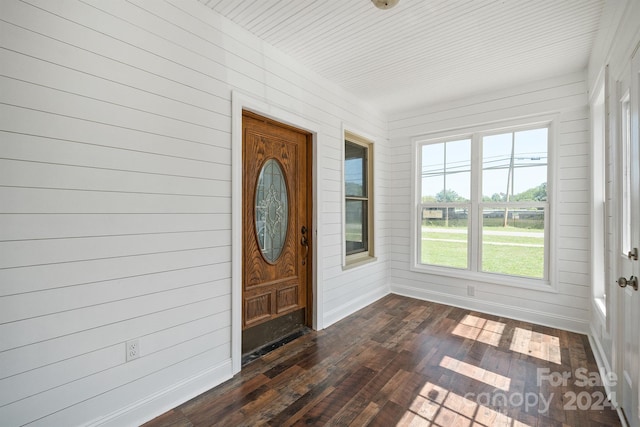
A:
(623, 282)
(633, 254)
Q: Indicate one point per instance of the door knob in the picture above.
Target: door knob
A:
(632, 281)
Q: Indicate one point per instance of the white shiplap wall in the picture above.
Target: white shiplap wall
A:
(115, 202)
(564, 96)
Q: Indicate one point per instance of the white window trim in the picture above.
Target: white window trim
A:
(363, 258)
(546, 285)
(598, 198)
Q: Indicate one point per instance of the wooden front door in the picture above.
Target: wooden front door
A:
(276, 231)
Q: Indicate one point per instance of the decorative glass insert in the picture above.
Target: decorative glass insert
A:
(271, 210)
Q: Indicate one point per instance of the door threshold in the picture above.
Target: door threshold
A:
(250, 357)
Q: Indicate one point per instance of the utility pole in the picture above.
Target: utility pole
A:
(446, 198)
(510, 178)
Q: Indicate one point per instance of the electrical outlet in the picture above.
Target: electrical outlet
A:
(471, 291)
(133, 349)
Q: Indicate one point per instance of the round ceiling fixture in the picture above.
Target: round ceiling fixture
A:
(384, 4)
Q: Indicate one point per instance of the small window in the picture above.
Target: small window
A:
(358, 208)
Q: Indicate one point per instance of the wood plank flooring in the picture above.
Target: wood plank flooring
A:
(402, 361)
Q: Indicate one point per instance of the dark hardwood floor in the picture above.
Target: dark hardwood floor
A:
(402, 361)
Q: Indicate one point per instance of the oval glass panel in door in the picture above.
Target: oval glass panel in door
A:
(272, 210)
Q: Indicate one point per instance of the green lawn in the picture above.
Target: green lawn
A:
(447, 254)
(517, 261)
(504, 252)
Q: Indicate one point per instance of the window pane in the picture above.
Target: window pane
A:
(518, 249)
(356, 226)
(458, 172)
(625, 228)
(496, 156)
(445, 236)
(530, 166)
(432, 171)
(446, 172)
(514, 166)
(355, 170)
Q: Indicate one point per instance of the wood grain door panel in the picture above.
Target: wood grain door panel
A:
(273, 288)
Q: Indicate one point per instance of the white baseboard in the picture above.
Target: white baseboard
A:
(603, 364)
(164, 400)
(344, 310)
(518, 313)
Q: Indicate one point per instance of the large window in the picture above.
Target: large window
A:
(358, 177)
(483, 203)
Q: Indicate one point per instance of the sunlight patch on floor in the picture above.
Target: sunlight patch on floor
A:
(535, 344)
(476, 373)
(439, 407)
(479, 329)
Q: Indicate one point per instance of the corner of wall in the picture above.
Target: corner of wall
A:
(341, 311)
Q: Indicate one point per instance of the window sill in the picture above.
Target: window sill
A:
(489, 278)
(358, 261)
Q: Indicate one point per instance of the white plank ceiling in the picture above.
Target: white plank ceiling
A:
(425, 51)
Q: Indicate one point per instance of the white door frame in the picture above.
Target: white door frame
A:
(241, 101)
(628, 300)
